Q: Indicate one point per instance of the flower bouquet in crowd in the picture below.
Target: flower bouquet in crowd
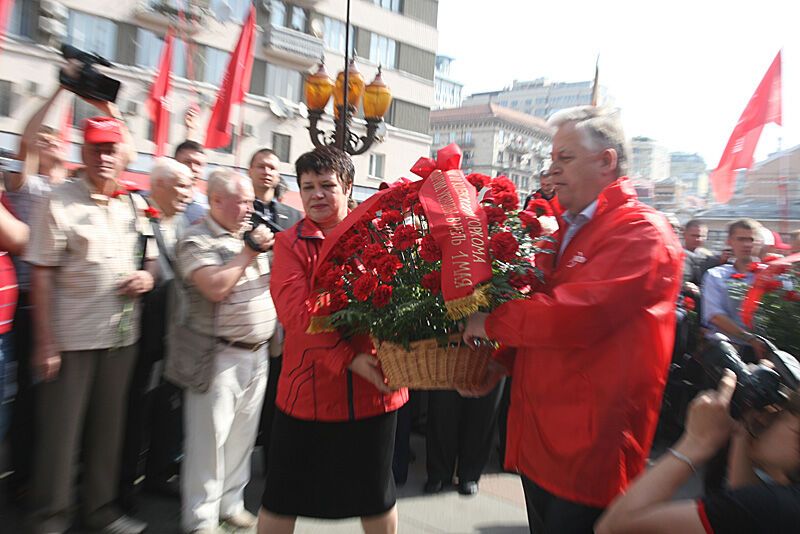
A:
(772, 304)
(417, 257)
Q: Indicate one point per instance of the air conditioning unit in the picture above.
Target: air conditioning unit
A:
(131, 108)
(32, 88)
(54, 9)
(248, 130)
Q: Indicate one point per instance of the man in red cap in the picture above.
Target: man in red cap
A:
(88, 248)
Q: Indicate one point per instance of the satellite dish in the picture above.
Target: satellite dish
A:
(277, 109)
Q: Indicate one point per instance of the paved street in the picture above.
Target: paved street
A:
(499, 508)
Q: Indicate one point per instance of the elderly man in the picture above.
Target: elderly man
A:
(218, 352)
(150, 401)
(88, 248)
(592, 349)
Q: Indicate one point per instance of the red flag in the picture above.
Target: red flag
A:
(5, 12)
(234, 85)
(157, 105)
(764, 107)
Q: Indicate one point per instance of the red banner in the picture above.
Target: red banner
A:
(460, 229)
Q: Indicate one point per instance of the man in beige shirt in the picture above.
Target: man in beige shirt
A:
(225, 297)
(88, 248)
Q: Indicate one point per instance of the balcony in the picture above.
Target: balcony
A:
(292, 45)
(166, 12)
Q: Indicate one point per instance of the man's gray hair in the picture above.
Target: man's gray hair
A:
(225, 181)
(601, 128)
(168, 168)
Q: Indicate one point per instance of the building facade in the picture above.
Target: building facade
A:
(447, 92)
(691, 172)
(542, 97)
(495, 141)
(649, 161)
(291, 38)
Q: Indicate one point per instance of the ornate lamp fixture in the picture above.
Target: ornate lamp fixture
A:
(375, 98)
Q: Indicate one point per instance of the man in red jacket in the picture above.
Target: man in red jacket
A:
(592, 349)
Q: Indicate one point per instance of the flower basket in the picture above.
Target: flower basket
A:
(428, 364)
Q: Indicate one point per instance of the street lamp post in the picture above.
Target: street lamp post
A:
(348, 92)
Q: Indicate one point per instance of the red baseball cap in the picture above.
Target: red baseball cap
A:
(98, 130)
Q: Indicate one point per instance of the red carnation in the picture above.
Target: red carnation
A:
(521, 281)
(540, 207)
(433, 282)
(504, 193)
(504, 246)
(418, 210)
(373, 255)
(495, 215)
(330, 276)
(391, 217)
(152, 213)
(791, 296)
(353, 244)
(756, 266)
(338, 301)
(773, 285)
(479, 181)
(738, 276)
(118, 193)
(429, 250)
(364, 286)
(388, 266)
(383, 294)
(531, 222)
(771, 257)
(405, 236)
(689, 304)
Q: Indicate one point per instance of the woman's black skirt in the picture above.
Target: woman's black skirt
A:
(330, 470)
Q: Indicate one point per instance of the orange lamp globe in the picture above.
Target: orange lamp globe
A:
(355, 90)
(377, 98)
(318, 88)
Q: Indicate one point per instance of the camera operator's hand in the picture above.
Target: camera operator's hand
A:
(708, 421)
(367, 367)
(263, 237)
(135, 284)
(46, 362)
(475, 329)
(759, 347)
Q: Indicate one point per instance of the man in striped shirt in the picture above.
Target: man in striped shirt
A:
(225, 298)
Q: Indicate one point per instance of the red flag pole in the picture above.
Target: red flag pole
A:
(6, 6)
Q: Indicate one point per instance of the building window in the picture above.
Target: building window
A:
(468, 136)
(216, 63)
(5, 98)
(282, 146)
(284, 82)
(376, 165)
(81, 111)
(391, 5)
(231, 147)
(453, 137)
(236, 10)
(151, 129)
(93, 34)
(335, 34)
(437, 138)
(383, 50)
(148, 52)
(277, 13)
(24, 19)
(299, 19)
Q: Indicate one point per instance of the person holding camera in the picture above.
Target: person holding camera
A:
(91, 249)
(217, 351)
(764, 466)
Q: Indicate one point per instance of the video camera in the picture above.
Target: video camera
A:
(256, 220)
(755, 388)
(90, 83)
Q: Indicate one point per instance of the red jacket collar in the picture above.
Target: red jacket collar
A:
(308, 229)
(615, 194)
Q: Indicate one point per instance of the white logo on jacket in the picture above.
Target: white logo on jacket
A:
(576, 259)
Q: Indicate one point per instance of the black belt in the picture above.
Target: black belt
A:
(252, 347)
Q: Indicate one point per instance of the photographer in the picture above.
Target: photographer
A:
(217, 351)
(750, 506)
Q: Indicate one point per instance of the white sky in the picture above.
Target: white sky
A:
(681, 71)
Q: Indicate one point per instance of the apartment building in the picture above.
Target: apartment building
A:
(401, 36)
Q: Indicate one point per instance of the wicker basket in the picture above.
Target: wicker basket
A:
(428, 365)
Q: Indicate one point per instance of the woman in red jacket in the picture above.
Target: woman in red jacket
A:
(333, 432)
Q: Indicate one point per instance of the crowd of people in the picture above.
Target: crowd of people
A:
(160, 335)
